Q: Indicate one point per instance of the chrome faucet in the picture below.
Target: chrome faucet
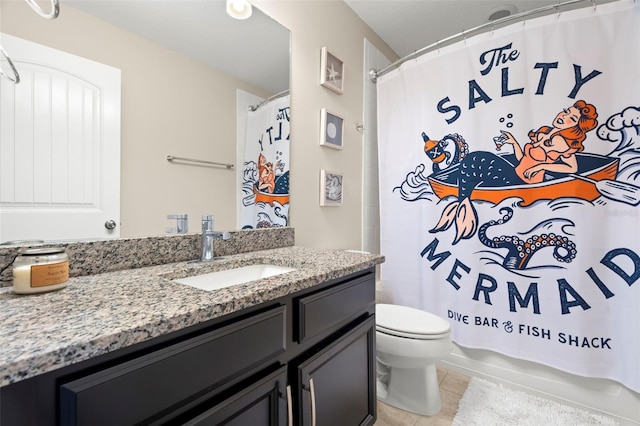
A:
(208, 235)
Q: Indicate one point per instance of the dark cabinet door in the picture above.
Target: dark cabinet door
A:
(265, 403)
(337, 384)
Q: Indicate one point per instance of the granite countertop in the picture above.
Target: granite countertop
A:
(96, 314)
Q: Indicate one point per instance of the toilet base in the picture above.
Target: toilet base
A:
(414, 390)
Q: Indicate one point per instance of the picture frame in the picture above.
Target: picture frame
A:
(331, 188)
(331, 129)
(331, 72)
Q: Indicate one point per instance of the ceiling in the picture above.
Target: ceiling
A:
(257, 50)
(409, 25)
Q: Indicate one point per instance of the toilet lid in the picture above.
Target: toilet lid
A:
(406, 321)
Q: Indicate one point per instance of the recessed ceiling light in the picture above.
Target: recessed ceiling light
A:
(500, 12)
(239, 9)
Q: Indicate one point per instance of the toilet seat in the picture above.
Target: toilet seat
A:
(403, 321)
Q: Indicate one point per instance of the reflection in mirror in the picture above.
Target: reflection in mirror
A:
(180, 66)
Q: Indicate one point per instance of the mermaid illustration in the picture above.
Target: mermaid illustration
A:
(267, 181)
(550, 148)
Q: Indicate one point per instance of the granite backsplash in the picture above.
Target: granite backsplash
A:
(100, 256)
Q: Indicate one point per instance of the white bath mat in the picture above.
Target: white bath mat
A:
(485, 403)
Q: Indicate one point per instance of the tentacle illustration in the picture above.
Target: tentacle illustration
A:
(521, 251)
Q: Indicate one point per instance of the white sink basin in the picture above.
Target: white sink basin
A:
(222, 279)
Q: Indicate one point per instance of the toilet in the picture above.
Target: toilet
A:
(409, 342)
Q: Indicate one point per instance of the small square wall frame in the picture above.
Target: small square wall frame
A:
(331, 72)
(331, 188)
(331, 129)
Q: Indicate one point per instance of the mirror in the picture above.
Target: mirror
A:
(181, 64)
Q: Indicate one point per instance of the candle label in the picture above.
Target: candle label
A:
(49, 274)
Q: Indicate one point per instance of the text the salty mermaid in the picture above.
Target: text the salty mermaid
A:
(502, 56)
(526, 295)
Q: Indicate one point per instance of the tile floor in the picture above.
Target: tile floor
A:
(452, 386)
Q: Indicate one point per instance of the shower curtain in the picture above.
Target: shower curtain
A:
(265, 179)
(510, 189)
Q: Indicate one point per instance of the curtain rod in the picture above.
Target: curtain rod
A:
(270, 98)
(374, 74)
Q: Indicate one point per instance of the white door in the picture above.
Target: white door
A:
(59, 146)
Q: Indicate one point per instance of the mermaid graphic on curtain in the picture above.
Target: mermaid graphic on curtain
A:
(549, 149)
(265, 179)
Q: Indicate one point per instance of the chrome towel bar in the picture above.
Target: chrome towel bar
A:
(171, 159)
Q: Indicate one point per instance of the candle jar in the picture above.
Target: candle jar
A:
(37, 270)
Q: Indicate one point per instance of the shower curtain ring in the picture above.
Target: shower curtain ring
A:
(15, 78)
(53, 14)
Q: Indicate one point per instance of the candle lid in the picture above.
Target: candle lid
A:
(41, 251)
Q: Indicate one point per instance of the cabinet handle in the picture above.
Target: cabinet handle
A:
(312, 389)
(289, 407)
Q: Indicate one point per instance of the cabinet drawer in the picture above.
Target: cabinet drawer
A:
(141, 388)
(333, 307)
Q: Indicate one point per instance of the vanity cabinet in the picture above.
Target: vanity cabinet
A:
(142, 389)
(304, 359)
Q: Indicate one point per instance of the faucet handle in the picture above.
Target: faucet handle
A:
(182, 224)
(207, 222)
